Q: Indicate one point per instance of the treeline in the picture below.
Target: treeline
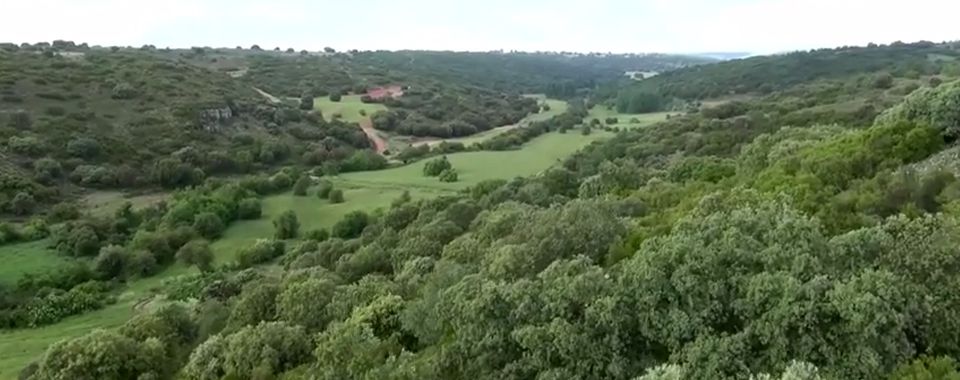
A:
(433, 112)
(766, 74)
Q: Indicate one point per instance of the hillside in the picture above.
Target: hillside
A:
(99, 118)
(766, 74)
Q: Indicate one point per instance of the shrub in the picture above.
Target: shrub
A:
(335, 96)
(318, 235)
(300, 188)
(83, 147)
(20, 120)
(281, 181)
(351, 225)
(286, 226)
(111, 262)
(436, 166)
(196, 253)
(22, 203)
(208, 225)
(28, 146)
(323, 191)
(47, 169)
(249, 208)
(336, 196)
(306, 102)
(449, 175)
(260, 252)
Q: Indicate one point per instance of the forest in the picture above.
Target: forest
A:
(776, 224)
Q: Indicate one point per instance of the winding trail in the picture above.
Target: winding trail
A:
(379, 144)
(269, 97)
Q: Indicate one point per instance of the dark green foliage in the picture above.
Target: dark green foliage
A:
(926, 368)
(306, 102)
(286, 225)
(248, 209)
(22, 204)
(324, 189)
(335, 97)
(300, 188)
(436, 166)
(351, 225)
(254, 352)
(111, 262)
(318, 235)
(208, 225)
(196, 253)
(260, 252)
(83, 147)
(336, 196)
(448, 175)
(638, 102)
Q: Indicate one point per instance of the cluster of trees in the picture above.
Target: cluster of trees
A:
(434, 112)
(131, 243)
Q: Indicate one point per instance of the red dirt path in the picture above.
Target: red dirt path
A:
(379, 144)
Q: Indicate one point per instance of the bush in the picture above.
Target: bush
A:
(335, 96)
(449, 175)
(196, 253)
(336, 196)
(22, 204)
(111, 262)
(20, 120)
(47, 169)
(286, 226)
(83, 147)
(300, 188)
(436, 166)
(281, 181)
(27, 146)
(318, 235)
(351, 225)
(249, 209)
(306, 102)
(324, 190)
(208, 225)
(611, 120)
(260, 252)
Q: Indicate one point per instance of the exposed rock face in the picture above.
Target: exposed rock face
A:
(212, 119)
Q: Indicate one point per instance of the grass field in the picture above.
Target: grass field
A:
(24, 258)
(312, 212)
(624, 120)
(473, 167)
(348, 107)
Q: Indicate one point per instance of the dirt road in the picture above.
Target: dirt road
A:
(269, 97)
(379, 144)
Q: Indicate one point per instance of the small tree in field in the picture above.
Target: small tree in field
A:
(306, 102)
(335, 97)
(436, 166)
(287, 225)
(336, 196)
(449, 175)
(323, 191)
(300, 188)
(208, 225)
(197, 253)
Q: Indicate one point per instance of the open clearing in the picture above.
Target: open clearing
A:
(473, 167)
(348, 108)
(626, 120)
(25, 258)
(107, 202)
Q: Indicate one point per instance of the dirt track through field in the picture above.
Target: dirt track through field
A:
(379, 144)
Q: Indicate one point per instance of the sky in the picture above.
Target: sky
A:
(619, 26)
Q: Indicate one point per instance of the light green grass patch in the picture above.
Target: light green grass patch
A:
(25, 258)
(473, 167)
(626, 120)
(348, 107)
(312, 212)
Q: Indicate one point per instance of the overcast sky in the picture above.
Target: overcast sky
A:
(675, 26)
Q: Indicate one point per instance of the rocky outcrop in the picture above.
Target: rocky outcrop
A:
(213, 119)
